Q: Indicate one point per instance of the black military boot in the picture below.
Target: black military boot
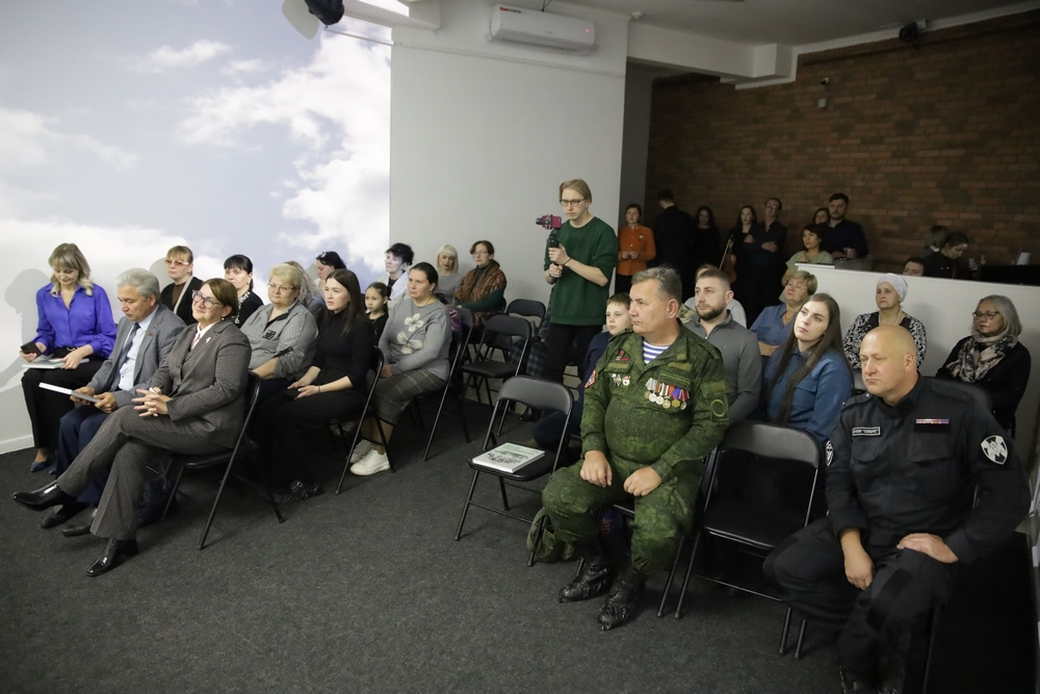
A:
(594, 579)
(892, 663)
(851, 683)
(623, 602)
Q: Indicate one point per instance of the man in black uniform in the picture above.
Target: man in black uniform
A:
(903, 464)
(674, 237)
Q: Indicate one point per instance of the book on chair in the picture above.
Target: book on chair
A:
(508, 457)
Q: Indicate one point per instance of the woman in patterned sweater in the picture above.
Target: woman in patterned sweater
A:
(889, 296)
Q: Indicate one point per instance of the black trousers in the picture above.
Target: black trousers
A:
(810, 569)
(45, 407)
(287, 430)
(622, 283)
(566, 344)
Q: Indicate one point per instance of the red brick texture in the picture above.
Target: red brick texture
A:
(945, 133)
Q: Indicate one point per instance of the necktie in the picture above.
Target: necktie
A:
(123, 352)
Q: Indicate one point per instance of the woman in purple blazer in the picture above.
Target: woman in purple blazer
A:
(76, 332)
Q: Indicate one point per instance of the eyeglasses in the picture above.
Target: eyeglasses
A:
(279, 289)
(985, 314)
(178, 263)
(196, 295)
(571, 203)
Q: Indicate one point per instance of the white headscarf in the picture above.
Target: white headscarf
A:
(898, 283)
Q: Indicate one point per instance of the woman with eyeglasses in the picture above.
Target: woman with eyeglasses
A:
(332, 386)
(176, 296)
(75, 326)
(282, 332)
(193, 406)
(238, 270)
(992, 358)
(889, 296)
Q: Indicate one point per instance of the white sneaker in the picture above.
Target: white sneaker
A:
(360, 450)
(373, 462)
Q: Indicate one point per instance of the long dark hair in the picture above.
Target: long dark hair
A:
(711, 217)
(831, 340)
(349, 281)
(740, 212)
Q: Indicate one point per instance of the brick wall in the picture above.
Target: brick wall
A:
(946, 133)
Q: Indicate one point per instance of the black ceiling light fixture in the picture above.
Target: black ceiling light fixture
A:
(328, 11)
(911, 33)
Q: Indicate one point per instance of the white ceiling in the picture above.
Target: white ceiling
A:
(791, 22)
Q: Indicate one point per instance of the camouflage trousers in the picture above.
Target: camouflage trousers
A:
(662, 517)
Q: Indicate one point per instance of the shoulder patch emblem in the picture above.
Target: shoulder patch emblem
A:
(828, 451)
(719, 407)
(995, 449)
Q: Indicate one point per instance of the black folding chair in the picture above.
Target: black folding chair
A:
(192, 463)
(460, 342)
(527, 308)
(759, 529)
(533, 393)
(377, 362)
(483, 369)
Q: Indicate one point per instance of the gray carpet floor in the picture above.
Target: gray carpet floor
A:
(365, 591)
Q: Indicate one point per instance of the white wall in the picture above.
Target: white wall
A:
(482, 133)
(945, 307)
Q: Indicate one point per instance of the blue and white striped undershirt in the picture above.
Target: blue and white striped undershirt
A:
(651, 352)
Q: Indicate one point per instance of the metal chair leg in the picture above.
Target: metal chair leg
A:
(465, 508)
(216, 501)
(783, 633)
(801, 637)
(173, 491)
(686, 578)
(502, 489)
(671, 577)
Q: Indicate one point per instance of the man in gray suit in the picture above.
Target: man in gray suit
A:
(193, 406)
(146, 334)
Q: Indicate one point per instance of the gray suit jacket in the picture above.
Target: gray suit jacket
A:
(207, 383)
(158, 339)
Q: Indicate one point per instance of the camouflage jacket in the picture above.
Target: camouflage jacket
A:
(663, 414)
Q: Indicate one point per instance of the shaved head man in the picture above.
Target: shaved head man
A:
(903, 464)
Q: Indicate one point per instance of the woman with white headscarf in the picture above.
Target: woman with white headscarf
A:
(889, 296)
(992, 358)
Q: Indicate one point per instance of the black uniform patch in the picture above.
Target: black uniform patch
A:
(995, 448)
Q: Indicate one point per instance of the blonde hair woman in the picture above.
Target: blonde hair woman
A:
(447, 270)
(74, 325)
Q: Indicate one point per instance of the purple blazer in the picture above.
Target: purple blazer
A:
(87, 320)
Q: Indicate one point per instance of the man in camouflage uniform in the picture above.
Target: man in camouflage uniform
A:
(655, 405)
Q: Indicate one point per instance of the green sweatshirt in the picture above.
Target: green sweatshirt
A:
(575, 300)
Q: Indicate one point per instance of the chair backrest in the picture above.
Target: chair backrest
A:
(511, 326)
(527, 307)
(772, 441)
(536, 393)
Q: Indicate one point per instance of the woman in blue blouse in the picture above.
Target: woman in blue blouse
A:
(75, 326)
(808, 379)
(773, 325)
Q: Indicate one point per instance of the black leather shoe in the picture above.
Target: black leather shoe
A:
(45, 497)
(594, 580)
(623, 602)
(75, 530)
(851, 683)
(62, 514)
(116, 552)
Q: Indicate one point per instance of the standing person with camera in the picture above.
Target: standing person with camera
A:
(579, 260)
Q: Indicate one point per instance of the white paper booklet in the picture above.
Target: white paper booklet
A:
(508, 457)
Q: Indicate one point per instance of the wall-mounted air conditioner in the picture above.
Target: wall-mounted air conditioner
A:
(541, 28)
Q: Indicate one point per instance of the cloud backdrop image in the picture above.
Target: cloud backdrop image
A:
(210, 124)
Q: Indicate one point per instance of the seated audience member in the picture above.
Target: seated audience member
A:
(176, 296)
(992, 358)
(376, 298)
(635, 248)
(821, 216)
(73, 323)
(397, 260)
(191, 408)
(447, 272)
(737, 344)
(483, 288)
(638, 387)
(914, 267)
(550, 427)
(145, 335)
(332, 387)
(707, 245)
(845, 240)
(238, 270)
(773, 325)
(947, 262)
(812, 237)
(313, 300)
(808, 381)
(327, 263)
(889, 296)
(735, 308)
(415, 345)
(899, 495)
(282, 333)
